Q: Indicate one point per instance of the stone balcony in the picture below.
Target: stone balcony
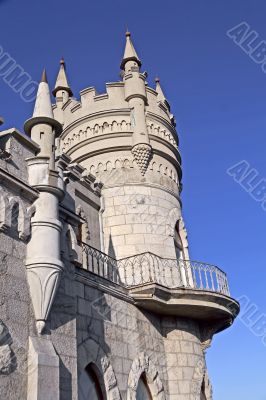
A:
(183, 288)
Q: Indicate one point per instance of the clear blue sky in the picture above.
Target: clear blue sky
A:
(218, 95)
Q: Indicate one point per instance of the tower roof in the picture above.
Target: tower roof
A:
(130, 53)
(61, 81)
(43, 112)
(161, 97)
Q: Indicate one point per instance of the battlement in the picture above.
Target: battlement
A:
(91, 102)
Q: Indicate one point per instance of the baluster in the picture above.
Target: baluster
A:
(187, 268)
(85, 250)
(158, 272)
(92, 261)
(212, 281)
(200, 277)
(132, 262)
(141, 272)
(149, 268)
(98, 264)
(218, 281)
(206, 277)
(193, 266)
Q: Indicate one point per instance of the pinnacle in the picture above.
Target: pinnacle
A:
(44, 76)
(61, 81)
(130, 53)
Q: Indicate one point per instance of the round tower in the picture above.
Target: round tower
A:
(43, 261)
(127, 138)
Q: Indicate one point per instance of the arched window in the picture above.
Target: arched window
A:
(89, 385)
(143, 391)
(178, 243)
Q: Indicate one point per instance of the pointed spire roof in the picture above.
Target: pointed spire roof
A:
(43, 112)
(161, 97)
(61, 81)
(130, 52)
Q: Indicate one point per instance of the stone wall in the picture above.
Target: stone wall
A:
(137, 219)
(16, 313)
(124, 342)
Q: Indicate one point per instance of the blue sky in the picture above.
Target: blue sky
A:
(218, 95)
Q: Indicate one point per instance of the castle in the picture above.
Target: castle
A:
(99, 298)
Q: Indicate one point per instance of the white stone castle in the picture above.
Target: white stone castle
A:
(99, 298)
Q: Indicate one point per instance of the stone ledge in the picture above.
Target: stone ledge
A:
(210, 308)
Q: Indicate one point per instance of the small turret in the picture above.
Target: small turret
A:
(42, 127)
(130, 53)
(161, 97)
(62, 90)
(135, 94)
(43, 261)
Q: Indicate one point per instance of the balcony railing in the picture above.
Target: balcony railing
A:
(147, 268)
(100, 263)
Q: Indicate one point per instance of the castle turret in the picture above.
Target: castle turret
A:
(126, 138)
(62, 90)
(135, 95)
(43, 260)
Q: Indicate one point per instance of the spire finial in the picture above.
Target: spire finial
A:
(61, 81)
(130, 53)
(44, 76)
(157, 79)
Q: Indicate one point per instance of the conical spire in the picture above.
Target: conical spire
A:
(61, 81)
(44, 76)
(161, 97)
(130, 53)
(43, 112)
(43, 105)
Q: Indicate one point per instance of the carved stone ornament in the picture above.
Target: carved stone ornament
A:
(142, 154)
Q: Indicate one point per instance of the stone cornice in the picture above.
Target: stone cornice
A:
(73, 216)
(103, 151)
(26, 140)
(176, 163)
(107, 136)
(89, 117)
(103, 285)
(171, 160)
(167, 144)
(17, 185)
(163, 121)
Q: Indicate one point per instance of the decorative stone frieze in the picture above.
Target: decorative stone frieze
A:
(96, 129)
